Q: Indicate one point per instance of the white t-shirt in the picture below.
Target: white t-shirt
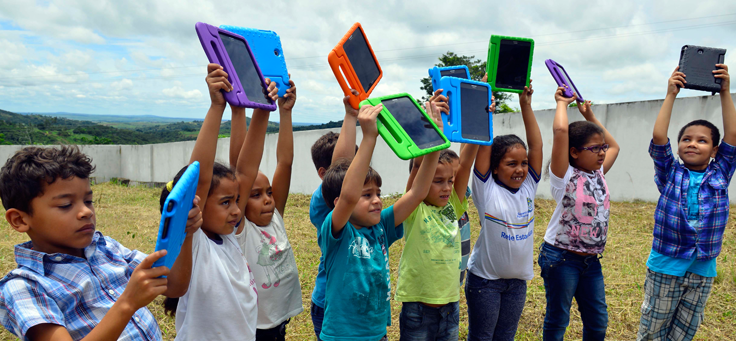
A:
(580, 221)
(222, 293)
(269, 252)
(505, 246)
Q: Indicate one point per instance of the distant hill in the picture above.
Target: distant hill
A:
(115, 118)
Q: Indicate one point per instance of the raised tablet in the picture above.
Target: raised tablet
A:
(436, 73)
(353, 56)
(475, 112)
(245, 68)
(562, 78)
(414, 121)
(698, 63)
(509, 63)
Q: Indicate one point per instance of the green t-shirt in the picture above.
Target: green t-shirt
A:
(430, 262)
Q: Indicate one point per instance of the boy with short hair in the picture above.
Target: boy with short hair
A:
(356, 237)
(690, 218)
(72, 282)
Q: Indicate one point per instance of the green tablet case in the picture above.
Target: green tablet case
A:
(396, 137)
(492, 61)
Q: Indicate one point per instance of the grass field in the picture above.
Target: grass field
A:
(130, 215)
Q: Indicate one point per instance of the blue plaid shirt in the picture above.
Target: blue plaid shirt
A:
(673, 235)
(70, 291)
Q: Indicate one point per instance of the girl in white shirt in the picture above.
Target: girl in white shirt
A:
(504, 185)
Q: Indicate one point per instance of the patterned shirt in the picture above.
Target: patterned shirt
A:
(72, 292)
(673, 235)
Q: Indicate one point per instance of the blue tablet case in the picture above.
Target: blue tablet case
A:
(266, 45)
(452, 123)
(436, 74)
(172, 229)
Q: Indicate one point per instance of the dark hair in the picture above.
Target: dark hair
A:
(332, 181)
(501, 145)
(24, 174)
(322, 150)
(446, 156)
(579, 133)
(219, 171)
(715, 134)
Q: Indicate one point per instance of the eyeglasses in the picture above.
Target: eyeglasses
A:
(596, 149)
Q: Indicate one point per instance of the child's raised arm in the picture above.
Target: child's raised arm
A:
(533, 134)
(345, 145)
(729, 111)
(613, 147)
(249, 159)
(483, 158)
(356, 173)
(238, 130)
(284, 150)
(561, 143)
(442, 105)
(662, 124)
(423, 180)
(206, 145)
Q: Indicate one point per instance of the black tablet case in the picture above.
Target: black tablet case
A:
(698, 63)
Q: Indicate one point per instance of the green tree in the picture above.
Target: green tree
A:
(477, 69)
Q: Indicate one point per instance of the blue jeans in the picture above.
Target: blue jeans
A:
(318, 314)
(419, 322)
(567, 275)
(486, 300)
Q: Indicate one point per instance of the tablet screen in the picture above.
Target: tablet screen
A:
(361, 58)
(474, 109)
(244, 67)
(513, 64)
(411, 118)
(567, 81)
(458, 73)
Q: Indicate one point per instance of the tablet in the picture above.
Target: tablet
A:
(698, 63)
(470, 119)
(172, 228)
(436, 73)
(562, 78)
(266, 46)
(509, 63)
(232, 52)
(406, 128)
(353, 57)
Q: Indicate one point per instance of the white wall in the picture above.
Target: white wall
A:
(630, 123)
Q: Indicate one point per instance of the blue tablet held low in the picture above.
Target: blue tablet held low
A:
(266, 46)
(436, 73)
(171, 230)
(470, 119)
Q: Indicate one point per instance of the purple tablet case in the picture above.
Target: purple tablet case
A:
(562, 78)
(209, 37)
(698, 63)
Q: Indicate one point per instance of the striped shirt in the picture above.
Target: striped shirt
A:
(72, 292)
(673, 235)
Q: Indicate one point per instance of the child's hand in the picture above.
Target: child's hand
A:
(194, 222)
(349, 110)
(493, 105)
(367, 117)
(485, 78)
(272, 91)
(676, 81)
(585, 110)
(560, 96)
(287, 102)
(440, 101)
(145, 283)
(722, 73)
(434, 113)
(525, 98)
(217, 80)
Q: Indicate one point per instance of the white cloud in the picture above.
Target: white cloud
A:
(122, 84)
(179, 92)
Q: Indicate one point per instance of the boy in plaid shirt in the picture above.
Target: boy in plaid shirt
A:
(73, 283)
(690, 218)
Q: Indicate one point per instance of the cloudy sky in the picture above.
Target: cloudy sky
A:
(143, 57)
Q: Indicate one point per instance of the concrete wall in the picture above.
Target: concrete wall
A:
(630, 123)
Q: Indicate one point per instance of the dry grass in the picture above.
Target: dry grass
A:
(130, 215)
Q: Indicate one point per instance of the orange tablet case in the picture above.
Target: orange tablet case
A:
(338, 59)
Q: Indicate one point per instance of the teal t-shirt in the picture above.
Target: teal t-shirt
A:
(358, 295)
(696, 178)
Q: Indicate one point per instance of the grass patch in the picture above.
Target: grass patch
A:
(130, 215)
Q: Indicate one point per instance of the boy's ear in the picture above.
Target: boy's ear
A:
(321, 172)
(18, 220)
(714, 152)
(334, 203)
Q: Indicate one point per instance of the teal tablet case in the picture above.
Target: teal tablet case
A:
(452, 124)
(395, 135)
(492, 61)
(266, 46)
